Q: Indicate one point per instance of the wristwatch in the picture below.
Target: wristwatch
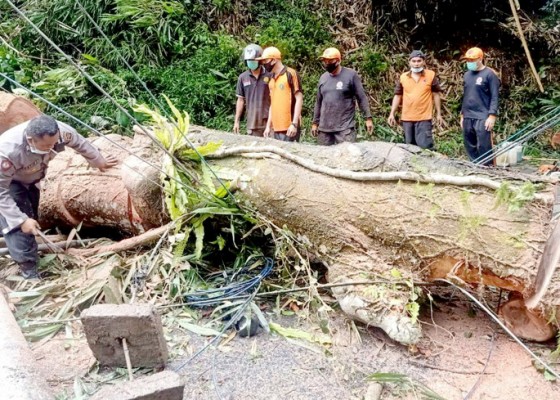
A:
(295, 126)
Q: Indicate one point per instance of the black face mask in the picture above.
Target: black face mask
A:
(268, 66)
(330, 68)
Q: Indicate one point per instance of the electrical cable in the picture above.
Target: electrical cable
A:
(490, 154)
(236, 286)
(504, 327)
(96, 85)
(84, 124)
(226, 326)
(551, 119)
(159, 104)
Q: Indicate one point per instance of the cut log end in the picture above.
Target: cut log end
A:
(524, 323)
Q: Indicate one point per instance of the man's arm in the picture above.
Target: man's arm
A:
(317, 112)
(361, 96)
(394, 106)
(437, 102)
(399, 91)
(292, 130)
(73, 139)
(239, 106)
(494, 83)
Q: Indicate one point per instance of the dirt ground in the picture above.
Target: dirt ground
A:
(458, 345)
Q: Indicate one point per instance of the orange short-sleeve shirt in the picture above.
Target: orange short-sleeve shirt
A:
(283, 89)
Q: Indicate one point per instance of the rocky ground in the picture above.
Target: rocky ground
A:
(463, 355)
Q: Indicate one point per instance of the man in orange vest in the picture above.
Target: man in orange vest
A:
(286, 97)
(418, 90)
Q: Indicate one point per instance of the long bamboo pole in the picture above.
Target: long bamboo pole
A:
(524, 42)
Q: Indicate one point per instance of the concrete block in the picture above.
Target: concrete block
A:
(106, 324)
(165, 385)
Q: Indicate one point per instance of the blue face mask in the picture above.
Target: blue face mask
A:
(252, 64)
(472, 65)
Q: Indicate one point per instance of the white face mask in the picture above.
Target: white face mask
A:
(417, 70)
(34, 149)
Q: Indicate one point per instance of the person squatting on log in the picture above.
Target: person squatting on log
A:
(286, 98)
(253, 93)
(418, 90)
(335, 109)
(25, 152)
(480, 105)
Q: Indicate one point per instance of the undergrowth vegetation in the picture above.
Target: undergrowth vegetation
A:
(190, 51)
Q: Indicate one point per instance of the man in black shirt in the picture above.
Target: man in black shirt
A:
(480, 106)
(252, 93)
(335, 108)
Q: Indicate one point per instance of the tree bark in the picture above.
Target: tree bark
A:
(371, 210)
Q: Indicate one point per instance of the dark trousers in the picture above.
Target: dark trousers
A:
(285, 138)
(418, 133)
(478, 141)
(330, 138)
(23, 246)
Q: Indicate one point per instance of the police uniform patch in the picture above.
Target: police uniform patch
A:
(67, 136)
(6, 165)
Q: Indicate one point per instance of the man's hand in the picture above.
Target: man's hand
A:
(461, 121)
(236, 127)
(30, 226)
(440, 122)
(391, 120)
(489, 124)
(369, 126)
(267, 132)
(292, 131)
(314, 130)
(110, 161)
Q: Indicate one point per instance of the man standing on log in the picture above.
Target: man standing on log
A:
(253, 93)
(335, 108)
(416, 89)
(480, 106)
(286, 98)
(25, 152)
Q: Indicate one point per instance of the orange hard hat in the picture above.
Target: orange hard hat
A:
(474, 53)
(270, 52)
(331, 54)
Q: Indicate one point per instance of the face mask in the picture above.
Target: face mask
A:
(330, 68)
(417, 70)
(268, 66)
(34, 149)
(252, 64)
(472, 65)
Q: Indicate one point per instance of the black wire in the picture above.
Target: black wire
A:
(237, 286)
(96, 85)
(79, 121)
(160, 105)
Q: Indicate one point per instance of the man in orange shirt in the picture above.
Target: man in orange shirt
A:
(416, 89)
(286, 98)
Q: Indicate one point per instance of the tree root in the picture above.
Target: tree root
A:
(309, 164)
(123, 245)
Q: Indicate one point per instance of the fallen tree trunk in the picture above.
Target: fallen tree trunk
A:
(381, 209)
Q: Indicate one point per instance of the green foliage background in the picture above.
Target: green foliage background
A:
(190, 51)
